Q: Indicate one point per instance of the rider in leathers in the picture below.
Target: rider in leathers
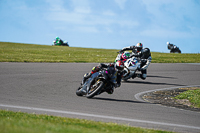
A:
(118, 66)
(143, 54)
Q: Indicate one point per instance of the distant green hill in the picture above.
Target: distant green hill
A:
(18, 52)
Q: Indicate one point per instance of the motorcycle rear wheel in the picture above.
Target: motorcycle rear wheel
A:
(95, 89)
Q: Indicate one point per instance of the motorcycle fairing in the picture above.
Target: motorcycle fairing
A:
(132, 64)
(88, 82)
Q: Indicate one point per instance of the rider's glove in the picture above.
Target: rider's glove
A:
(121, 51)
(141, 69)
(111, 64)
(95, 69)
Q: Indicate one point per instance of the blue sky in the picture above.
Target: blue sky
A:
(109, 24)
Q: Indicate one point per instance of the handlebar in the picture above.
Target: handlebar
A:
(120, 52)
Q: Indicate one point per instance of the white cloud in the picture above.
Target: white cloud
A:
(69, 17)
(164, 33)
(56, 6)
(84, 17)
(108, 13)
(121, 3)
(86, 29)
(82, 10)
(108, 30)
(128, 23)
(109, 21)
(171, 18)
(81, 6)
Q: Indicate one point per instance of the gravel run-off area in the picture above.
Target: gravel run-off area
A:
(165, 97)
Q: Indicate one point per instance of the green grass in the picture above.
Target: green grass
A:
(192, 95)
(175, 58)
(18, 122)
(16, 52)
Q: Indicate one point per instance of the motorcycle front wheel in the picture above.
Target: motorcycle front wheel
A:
(125, 78)
(79, 92)
(94, 89)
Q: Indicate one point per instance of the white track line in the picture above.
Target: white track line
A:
(98, 116)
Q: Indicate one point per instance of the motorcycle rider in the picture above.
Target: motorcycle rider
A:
(58, 41)
(173, 48)
(122, 56)
(118, 67)
(143, 54)
(170, 45)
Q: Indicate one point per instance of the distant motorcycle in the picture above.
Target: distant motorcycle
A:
(131, 66)
(60, 43)
(173, 48)
(98, 83)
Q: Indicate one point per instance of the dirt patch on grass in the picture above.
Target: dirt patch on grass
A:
(165, 97)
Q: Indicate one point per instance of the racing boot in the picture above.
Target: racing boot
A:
(142, 76)
(134, 75)
(110, 91)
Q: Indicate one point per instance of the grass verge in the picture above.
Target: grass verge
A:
(18, 122)
(17, 52)
(193, 95)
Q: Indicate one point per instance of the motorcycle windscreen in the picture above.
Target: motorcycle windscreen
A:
(133, 65)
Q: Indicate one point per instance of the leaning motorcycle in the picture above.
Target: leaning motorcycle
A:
(131, 65)
(60, 43)
(98, 83)
(173, 48)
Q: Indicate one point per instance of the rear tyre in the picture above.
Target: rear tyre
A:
(95, 89)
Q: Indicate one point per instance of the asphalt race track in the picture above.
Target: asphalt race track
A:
(49, 88)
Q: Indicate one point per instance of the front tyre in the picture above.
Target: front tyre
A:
(95, 89)
(125, 80)
(79, 91)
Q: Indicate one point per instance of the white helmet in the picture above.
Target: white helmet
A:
(168, 43)
(139, 47)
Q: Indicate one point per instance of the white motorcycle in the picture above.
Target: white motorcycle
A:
(131, 66)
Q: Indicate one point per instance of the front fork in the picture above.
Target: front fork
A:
(127, 71)
(94, 85)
